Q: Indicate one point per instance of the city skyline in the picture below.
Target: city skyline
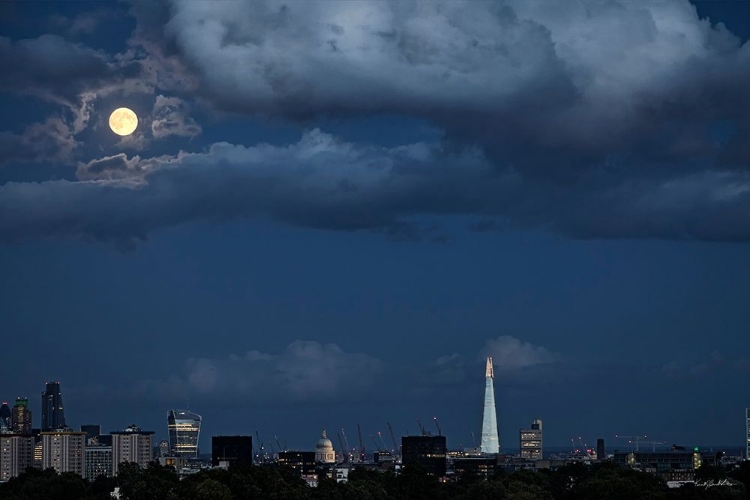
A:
(328, 217)
(183, 432)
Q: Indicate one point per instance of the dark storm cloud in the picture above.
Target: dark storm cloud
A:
(587, 118)
(318, 182)
(305, 59)
(533, 84)
(64, 73)
(171, 117)
(58, 70)
(112, 167)
(323, 182)
(47, 141)
(601, 108)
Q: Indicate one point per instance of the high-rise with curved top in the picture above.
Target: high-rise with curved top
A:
(184, 431)
(53, 413)
(490, 440)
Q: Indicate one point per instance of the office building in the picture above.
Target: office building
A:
(483, 466)
(92, 431)
(64, 451)
(98, 462)
(184, 432)
(531, 441)
(303, 462)
(16, 455)
(677, 464)
(21, 417)
(5, 417)
(600, 453)
(131, 445)
(490, 441)
(426, 451)
(163, 448)
(236, 450)
(53, 412)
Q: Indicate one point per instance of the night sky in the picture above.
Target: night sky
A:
(331, 212)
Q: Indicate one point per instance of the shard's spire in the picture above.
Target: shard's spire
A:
(490, 440)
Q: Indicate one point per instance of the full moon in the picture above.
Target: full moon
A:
(123, 121)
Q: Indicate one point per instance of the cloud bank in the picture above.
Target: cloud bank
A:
(511, 354)
(304, 371)
(594, 120)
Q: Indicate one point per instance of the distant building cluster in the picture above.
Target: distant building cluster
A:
(86, 452)
(90, 453)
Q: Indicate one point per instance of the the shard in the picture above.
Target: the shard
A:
(490, 440)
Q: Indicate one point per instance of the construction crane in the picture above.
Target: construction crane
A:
(421, 428)
(380, 436)
(393, 438)
(654, 444)
(257, 443)
(261, 450)
(346, 442)
(277, 442)
(377, 446)
(634, 439)
(361, 445)
(440, 432)
(474, 439)
(344, 453)
(573, 446)
(585, 447)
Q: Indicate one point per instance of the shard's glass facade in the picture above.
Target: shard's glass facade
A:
(490, 440)
(184, 431)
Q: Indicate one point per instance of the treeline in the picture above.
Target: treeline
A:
(574, 482)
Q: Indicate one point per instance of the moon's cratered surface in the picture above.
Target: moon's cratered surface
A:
(123, 121)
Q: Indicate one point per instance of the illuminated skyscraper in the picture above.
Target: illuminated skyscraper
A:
(490, 441)
(53, 413)
(21, 417)
(184, 431)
